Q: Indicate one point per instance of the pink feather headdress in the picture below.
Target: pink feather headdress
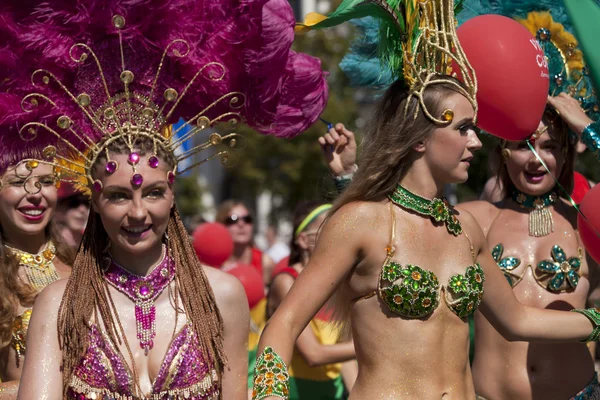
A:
(78, 74)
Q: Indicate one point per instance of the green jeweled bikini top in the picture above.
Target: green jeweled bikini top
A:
(413, 292)
(559, 274)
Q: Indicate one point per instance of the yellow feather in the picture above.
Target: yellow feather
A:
(563, 40)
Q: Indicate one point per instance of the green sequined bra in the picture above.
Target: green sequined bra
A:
(413, 292)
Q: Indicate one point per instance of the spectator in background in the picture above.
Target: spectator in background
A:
(71, 214)
(237, 218)
(277, 250)
(193, 222)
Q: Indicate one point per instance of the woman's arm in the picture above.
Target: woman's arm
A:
(233, 306)
(349, 374)
(314, 353)
(8, 390)
(42, 377)
(512, 319)
(335, 255)
(268, 265)
(571, 112)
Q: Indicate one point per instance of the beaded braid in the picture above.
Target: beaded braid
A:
(196, 294)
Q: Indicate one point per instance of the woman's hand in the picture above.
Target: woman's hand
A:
(339, 147)
(571, 112)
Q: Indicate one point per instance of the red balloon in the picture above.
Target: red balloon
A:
(589, 237)
(283, 263)
(512, 75)
(213, 244)
(252, 282)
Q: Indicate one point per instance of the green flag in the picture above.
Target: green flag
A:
(585, 15)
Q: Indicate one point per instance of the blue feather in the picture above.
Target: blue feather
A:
(362, 64)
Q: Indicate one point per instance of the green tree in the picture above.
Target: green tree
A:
(188, 194)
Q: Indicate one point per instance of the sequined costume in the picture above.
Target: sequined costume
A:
(19, 332)
(558, 274)
(413, 292)
(184, 372)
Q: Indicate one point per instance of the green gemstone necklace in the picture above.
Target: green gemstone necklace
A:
(438, 210)
(541, 222)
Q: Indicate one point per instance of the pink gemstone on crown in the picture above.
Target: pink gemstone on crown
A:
(153, 162)
(97, 185)
(134, 158)
(137, 179)
(111, 167)
(171, 177)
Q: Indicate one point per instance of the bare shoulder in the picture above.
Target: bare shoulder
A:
(358, 214)
(483, 212)
(48, 301)
(473, 229)
(228, 290)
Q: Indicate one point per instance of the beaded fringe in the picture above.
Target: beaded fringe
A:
(203, 390)
(541, 222)
(40, 278)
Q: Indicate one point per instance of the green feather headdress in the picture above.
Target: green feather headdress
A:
(417, 41)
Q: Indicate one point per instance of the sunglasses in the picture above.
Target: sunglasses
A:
(234, 218)
(76, 201)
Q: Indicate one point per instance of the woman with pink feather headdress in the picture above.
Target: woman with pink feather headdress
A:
(31, 253)
(140, 317)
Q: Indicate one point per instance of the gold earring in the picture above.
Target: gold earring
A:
(506, 153)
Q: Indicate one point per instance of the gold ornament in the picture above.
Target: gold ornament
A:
(128, 115)
(39, 268)
(19, 332)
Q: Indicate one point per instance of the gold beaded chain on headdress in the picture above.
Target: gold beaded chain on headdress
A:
(417, 42)
(431, 54)
(39, 268)
(128, 116)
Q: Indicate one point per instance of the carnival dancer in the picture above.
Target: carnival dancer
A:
(32, 254)
(533, 234)
(396, 258)
(140, 317)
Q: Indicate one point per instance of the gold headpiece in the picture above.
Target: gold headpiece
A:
(417, 42)
(128, 115)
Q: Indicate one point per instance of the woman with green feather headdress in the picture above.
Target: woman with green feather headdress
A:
(402, 268)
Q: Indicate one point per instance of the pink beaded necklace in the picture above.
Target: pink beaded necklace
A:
(142, 290)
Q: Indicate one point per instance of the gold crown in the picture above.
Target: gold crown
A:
(129, 116)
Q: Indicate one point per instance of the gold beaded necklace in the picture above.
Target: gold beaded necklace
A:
(39, 268)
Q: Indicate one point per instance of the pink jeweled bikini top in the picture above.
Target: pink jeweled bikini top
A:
(185, 373)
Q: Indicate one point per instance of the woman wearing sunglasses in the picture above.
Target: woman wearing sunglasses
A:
(237, 218)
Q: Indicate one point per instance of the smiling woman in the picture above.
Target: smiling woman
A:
(31, 257)
(140, 317)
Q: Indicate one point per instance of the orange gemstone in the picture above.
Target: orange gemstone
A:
(398, 299)
(416, 276)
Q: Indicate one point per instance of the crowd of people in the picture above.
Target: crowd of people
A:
(388, 292)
